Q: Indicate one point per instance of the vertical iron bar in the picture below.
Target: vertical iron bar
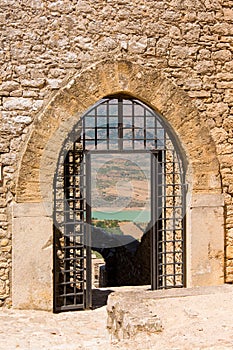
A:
(174, 215)
(96, 133)
(164, 220)
(161, 220)
(55, 262)
(184, 279)
(83, 136)
(72, 235)
(88, 231)
(144, 131)
(82, 194)
(120, 124)
(154, 219)
(133, 127)
(68, 172)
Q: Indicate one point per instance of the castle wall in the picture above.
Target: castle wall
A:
(45, 44)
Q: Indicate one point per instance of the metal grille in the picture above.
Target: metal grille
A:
(71, 250)
(116, 125)
(122, 124)
(168, 237)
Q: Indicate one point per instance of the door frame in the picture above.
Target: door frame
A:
(155, 196)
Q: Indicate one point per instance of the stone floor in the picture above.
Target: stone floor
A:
(198, 319)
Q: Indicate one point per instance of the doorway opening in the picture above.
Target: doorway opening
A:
(119, 204)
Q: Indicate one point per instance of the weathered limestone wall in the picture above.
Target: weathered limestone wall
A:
(44, 43)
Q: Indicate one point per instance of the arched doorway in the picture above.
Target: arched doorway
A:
(119, 139)
(33, 208)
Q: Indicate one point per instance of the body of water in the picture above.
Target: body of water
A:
(124, 215)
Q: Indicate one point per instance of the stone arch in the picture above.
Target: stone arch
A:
(38, 163)
(89, 86)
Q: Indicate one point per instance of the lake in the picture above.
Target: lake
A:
(126, 215)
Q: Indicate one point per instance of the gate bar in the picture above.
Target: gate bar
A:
(154, 218)
(88, 232)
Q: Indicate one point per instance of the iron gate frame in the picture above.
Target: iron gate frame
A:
(158, 254)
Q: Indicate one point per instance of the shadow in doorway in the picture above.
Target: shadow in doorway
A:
(100, 297)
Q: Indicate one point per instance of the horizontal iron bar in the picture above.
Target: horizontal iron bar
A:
(72, 294)
(69, 307)
(121, 151)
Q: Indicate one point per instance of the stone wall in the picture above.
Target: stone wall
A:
(44, 43)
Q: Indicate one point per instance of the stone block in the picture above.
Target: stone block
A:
(20, 103)
(16, 93)
(222, 55)
(200, 93)
(221, 28)
(32, 237)
(205, 67)
(2, 289)
(54, 83)
(230, 233)
(138, 45)
(126, 318)
(224, 84)
(207, 200)
(229, 252)
(228, 14)
(4, 242)
(229, 96)
(4, 146)
(29, 210)
(9, 86)
(206, 240)
(22, 119)
(3, 217)
(34, 83)
(134, 313)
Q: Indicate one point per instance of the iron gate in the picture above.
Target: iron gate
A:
(117, 124)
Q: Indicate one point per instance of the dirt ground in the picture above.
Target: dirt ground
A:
(202, 320)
